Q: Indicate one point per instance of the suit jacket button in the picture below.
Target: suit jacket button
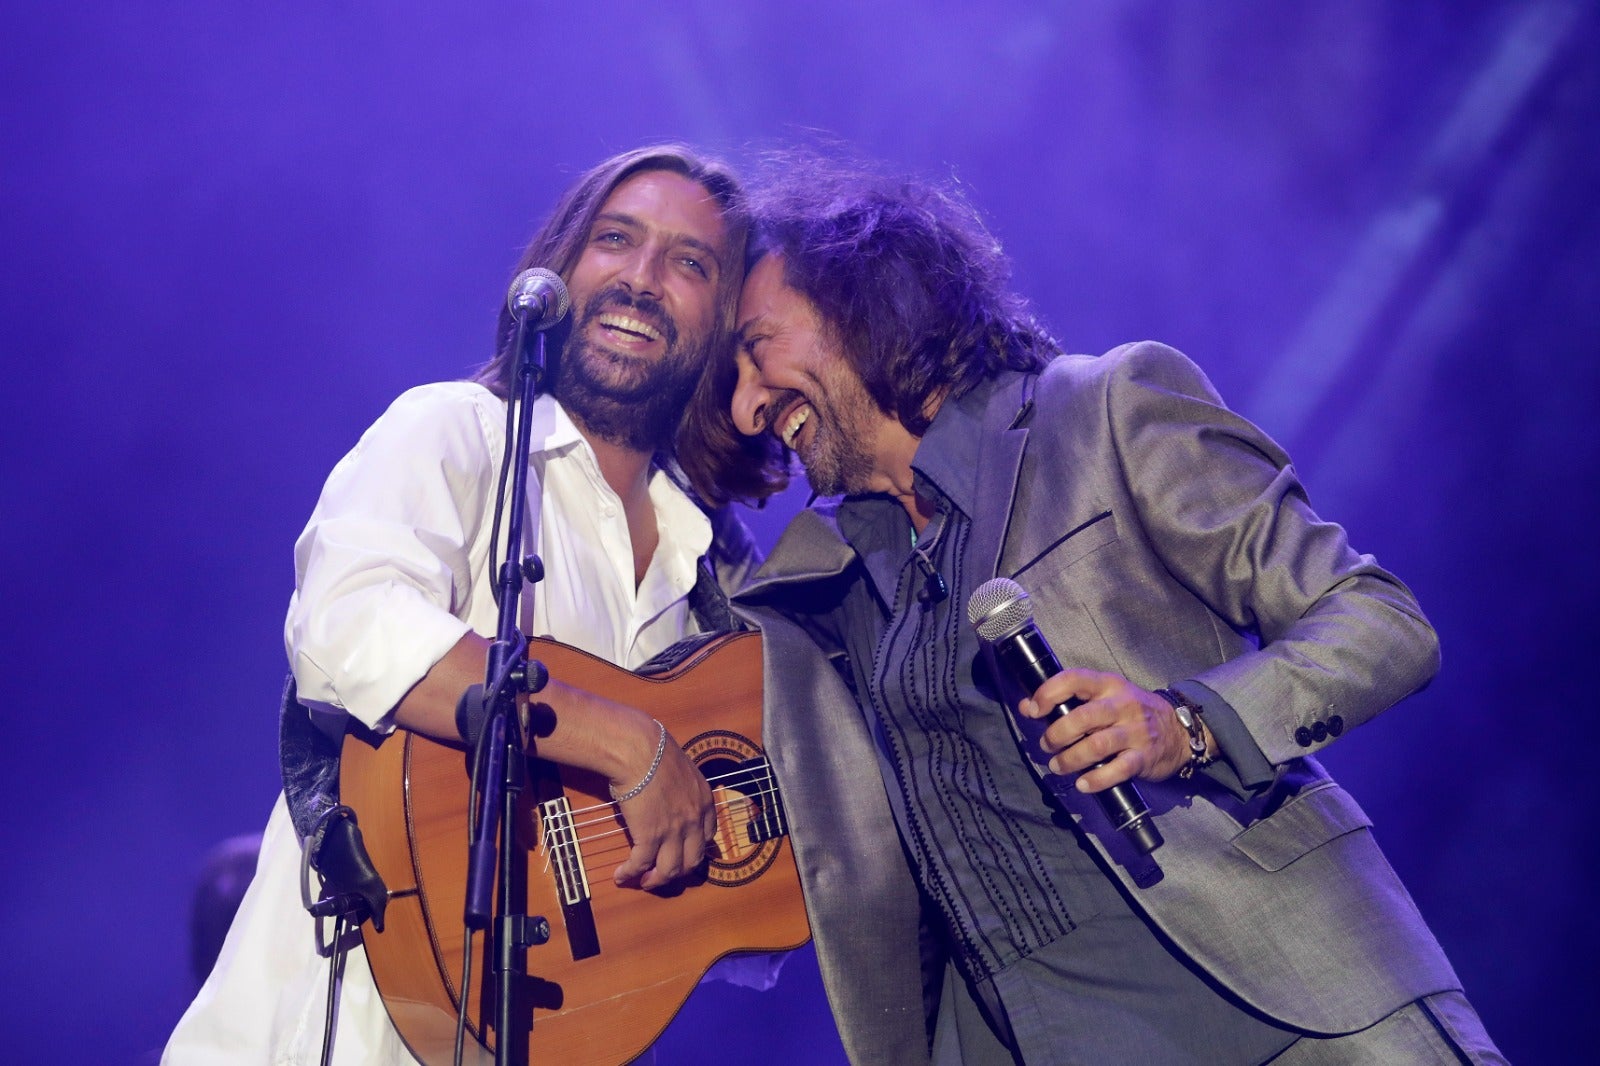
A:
(1302, 737)
(1335, 726)
(1319, 732)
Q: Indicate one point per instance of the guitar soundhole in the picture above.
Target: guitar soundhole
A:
(750, 824)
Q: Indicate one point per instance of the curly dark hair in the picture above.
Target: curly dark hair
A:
(908, 284)
(560, 241)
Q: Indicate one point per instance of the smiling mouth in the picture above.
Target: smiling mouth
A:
(628, 327)
(791, 425)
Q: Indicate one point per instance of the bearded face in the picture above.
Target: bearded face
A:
(646, 286)
(830, 428)
(620, 396)
(794, 383)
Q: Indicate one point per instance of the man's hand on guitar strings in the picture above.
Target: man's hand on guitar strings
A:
(671, 822)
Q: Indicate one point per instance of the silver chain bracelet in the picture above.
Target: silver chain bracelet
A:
(649, 775)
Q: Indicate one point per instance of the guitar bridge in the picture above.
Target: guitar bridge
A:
(559, 839)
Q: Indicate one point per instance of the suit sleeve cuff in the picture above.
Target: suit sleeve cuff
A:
(1242, 769)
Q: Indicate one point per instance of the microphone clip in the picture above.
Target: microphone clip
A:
(934, 590)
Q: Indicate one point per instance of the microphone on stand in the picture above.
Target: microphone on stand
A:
(999, 610)
(538, 299)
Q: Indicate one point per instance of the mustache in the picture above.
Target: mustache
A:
(645, 308)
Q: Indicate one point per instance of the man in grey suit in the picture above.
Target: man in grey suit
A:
(970, 900)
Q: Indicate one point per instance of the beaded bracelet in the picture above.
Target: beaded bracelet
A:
(649, 775)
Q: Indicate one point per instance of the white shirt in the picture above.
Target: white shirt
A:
(391, 571)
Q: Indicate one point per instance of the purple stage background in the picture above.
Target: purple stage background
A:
(233, 233)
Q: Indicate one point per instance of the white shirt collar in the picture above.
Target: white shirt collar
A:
(551, 429)
(618, 622)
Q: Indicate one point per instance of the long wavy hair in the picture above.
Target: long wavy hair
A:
(908, 285)
(560, 241)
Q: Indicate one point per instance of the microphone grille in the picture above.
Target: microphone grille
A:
(537, 286)
(999, 608)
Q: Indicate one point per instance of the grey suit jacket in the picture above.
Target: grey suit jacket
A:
(1163, 538)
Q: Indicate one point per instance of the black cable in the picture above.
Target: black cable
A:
(335, 976)
(500, 498)
(480, 755)
(466, 989)
(480, 760)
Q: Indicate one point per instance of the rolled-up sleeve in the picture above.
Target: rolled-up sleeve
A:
(384, 567)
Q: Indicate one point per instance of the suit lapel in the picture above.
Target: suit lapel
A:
(811, 547)
(1003, 439)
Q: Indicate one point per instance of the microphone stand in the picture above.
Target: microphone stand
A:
(503, 765)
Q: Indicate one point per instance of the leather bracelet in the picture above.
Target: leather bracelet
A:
(1189, 717)
(649, 775)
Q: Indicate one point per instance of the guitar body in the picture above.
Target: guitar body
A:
(620, 961)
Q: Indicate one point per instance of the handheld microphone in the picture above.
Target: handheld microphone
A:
(538, 299)
(999, 610)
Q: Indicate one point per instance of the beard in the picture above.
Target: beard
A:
(621, 398)
(836, 458)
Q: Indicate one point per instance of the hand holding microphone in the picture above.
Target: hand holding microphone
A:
(999, 610)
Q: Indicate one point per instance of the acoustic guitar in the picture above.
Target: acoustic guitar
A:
(620, 961)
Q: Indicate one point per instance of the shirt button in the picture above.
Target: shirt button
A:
(1319, 732)
(1302, 737)
(1335, 726)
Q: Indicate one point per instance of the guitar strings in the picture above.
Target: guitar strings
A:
(740, 819)
(591, 856)
(740, 805)
(733, 797)
(574, 828)
(728, 780)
